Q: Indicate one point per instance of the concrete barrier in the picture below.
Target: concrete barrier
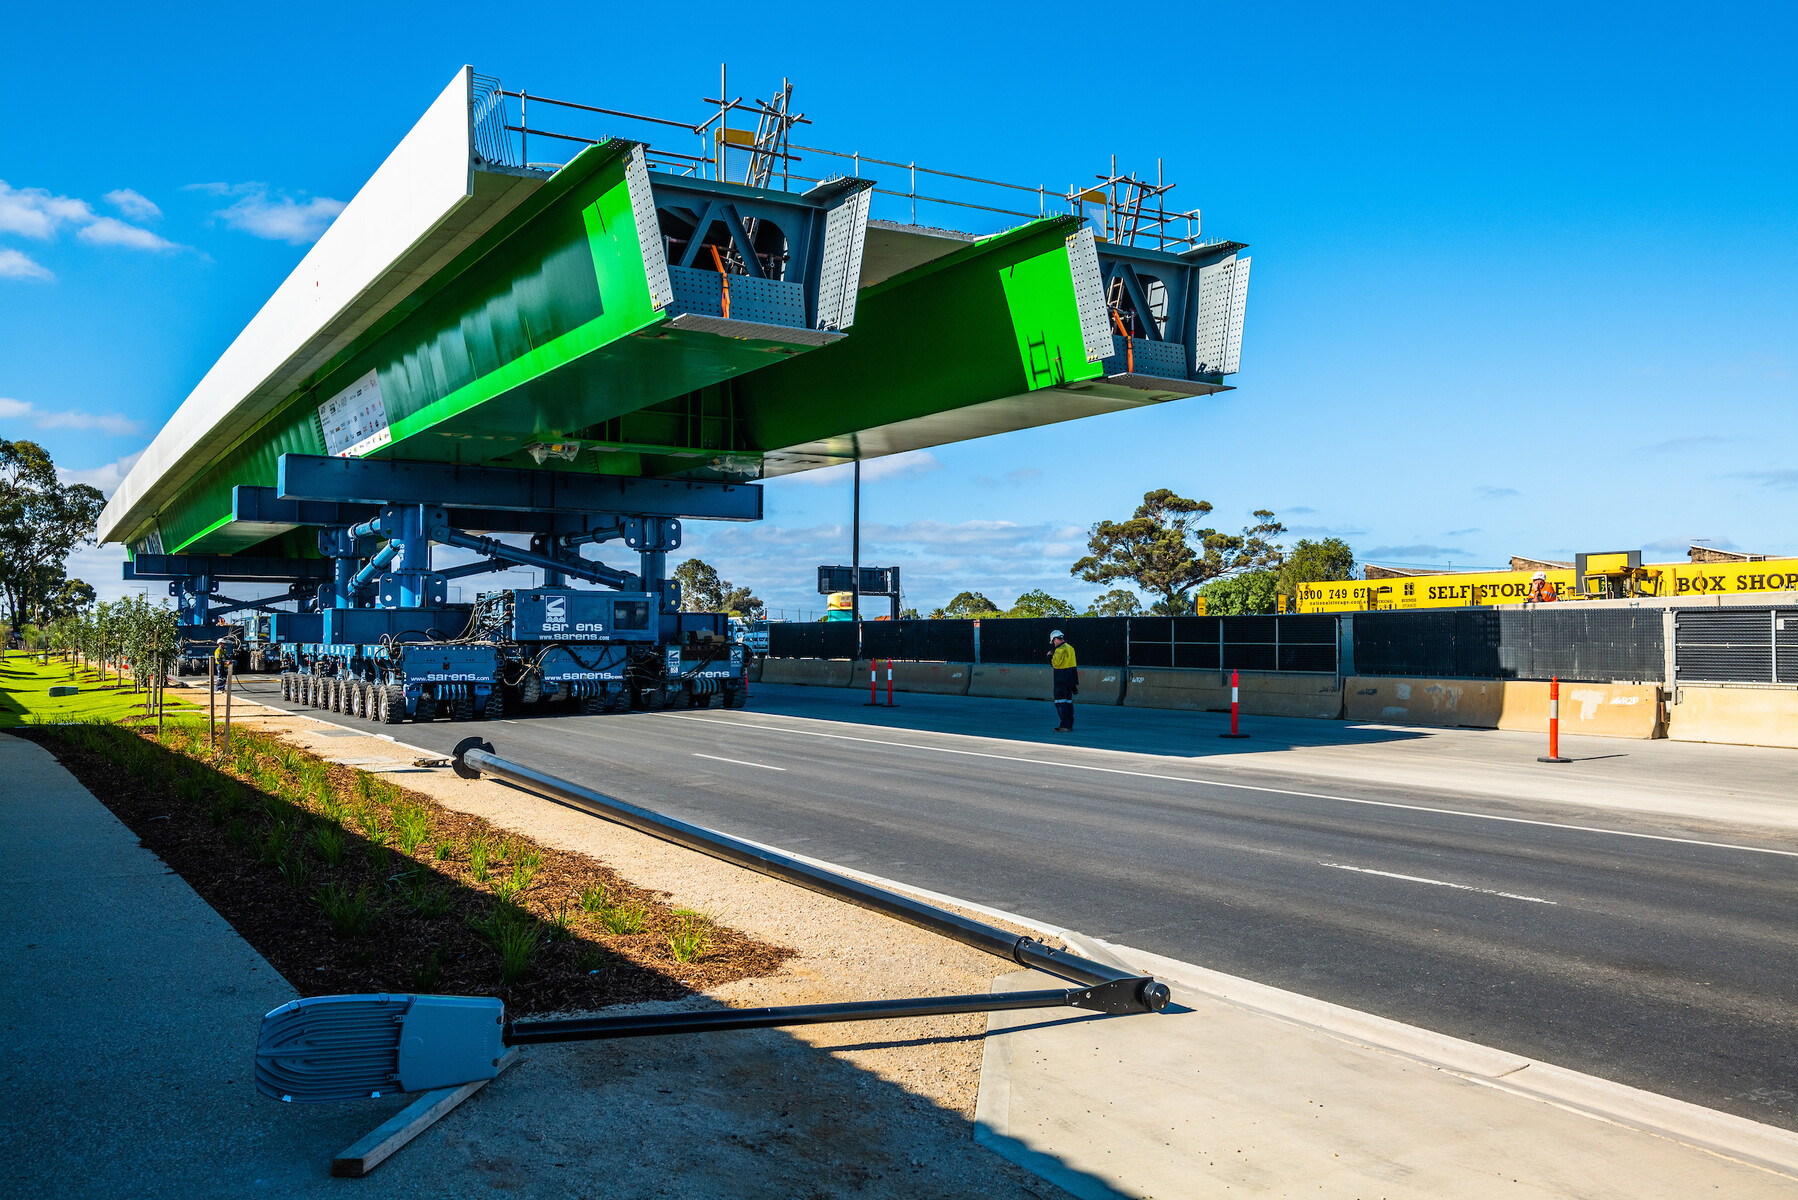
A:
(1001, 681)
(1625, 710)
(1393, 701)
(1263, 693)
(929, 678)
(754, 669)
(811, 672)
(1739, 716)
(1101, 685)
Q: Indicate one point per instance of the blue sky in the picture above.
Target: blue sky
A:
(1523, 275)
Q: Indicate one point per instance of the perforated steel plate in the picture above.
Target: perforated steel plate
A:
(649, 229)
(1089, 295)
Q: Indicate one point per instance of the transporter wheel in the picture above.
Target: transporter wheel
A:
(591, 706)
(700, 701)
(392, 702)
(464, 710)
(735, 697)
(426, 710)
(496, 704)
(334, 695)
(286, 685)
(531, 690)
(305, 696)
(614, 696)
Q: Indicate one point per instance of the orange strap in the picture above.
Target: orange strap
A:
(1129, 343)
(718, 262)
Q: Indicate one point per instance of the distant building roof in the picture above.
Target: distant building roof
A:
(1708, 554)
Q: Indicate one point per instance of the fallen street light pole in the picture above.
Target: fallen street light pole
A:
(327, 1048)
(474, 757)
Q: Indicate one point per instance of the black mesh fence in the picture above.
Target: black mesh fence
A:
(1288, 643)
(1736, 645)
(1585, 645)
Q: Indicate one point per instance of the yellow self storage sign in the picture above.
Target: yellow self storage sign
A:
(1470, 588)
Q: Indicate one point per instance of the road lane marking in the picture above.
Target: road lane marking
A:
(1244, 787)
(1459, 887)
(739, 762)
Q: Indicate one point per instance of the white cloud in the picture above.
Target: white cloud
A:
(15, 264)
(266, 213)
(906, 465)
(110, 231)
(106, 478)
(135, 205)
(35, 213)
(24, 410)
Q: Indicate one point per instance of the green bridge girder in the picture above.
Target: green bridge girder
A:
(551, 343)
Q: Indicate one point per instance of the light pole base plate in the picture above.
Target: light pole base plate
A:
(1232, 735)
(1545, 758)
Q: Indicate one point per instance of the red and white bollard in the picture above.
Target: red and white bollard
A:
(874, 684)
(1554, 723)
(1234, 697)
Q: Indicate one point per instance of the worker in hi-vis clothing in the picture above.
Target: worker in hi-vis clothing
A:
(1542, 591)
(1067, 681)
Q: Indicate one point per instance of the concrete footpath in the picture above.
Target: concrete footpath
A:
(1243, 1089)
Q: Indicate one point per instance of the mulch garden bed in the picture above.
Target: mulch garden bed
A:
(346, 882)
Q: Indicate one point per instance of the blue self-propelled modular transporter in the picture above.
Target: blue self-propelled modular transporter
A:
(372, 634)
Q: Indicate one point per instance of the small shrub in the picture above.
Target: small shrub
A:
(692, 935)
(590, 959)
(594, 900)
(293, 864)
(624, 918)
(328, 840)
(351, 915)
(373, 828)
(561, 920)
(515, 937)
(479, 848)
(365, 787)
(412, 824)
(426, 899)
(273, 844)
(238, 832)
(429, 970)
(445, 847)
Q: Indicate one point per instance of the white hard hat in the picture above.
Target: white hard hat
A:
(1054, 633)
(1540, 575)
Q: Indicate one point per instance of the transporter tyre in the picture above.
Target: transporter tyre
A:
(464, 709)
(496, 704)
(286, 685)
(392, 700)
(334, 695)
(305, 693)
(735, 697)
(700, 701)
(426, 710)
(363, 694)
(591, 706)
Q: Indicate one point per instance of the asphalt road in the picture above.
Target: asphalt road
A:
(1660, 962)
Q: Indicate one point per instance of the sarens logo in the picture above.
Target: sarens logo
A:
(555, 608)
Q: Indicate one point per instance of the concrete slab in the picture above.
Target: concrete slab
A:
(1213, 1097)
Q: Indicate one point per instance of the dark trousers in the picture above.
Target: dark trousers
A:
(1064, 711)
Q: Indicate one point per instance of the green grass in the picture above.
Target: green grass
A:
(25, 695)
(692, 935)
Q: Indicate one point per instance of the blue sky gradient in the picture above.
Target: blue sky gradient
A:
(1523, 276)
